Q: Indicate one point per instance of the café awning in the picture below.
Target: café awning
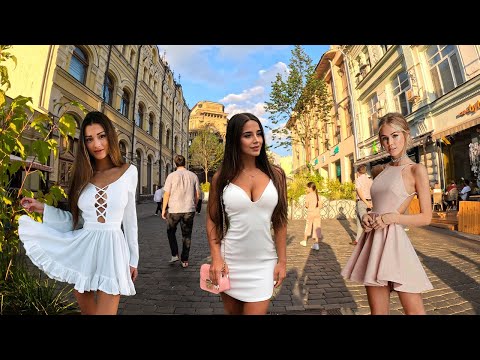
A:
(457, 128)
(35, 165)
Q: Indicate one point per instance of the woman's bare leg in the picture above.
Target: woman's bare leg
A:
(378, 299)
(256, 308)
(107, 304)
(86, 301)
(412, 303)
(231, 306)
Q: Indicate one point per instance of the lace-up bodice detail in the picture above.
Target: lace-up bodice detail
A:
(101, 202)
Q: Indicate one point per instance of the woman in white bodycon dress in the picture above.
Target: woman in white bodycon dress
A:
(252, 193)
(86, 246)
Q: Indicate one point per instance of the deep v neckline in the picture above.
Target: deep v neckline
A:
(113, 182)
(248, 197)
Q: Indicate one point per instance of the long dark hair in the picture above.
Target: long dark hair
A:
(231, 167)
(84, 164)
(312, 186)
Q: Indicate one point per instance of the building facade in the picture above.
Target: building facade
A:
(131, 84)
(437, 89)
(332, 152)
(208, 114)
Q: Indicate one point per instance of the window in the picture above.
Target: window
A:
(400, 84)
(123, 151)
(139, 119)
(79, 65)
(125, 103)
(348, 119)
(167, 140)
(372, 115)
(150, 124)
(132, 57)
(444, 68)
(108, 90)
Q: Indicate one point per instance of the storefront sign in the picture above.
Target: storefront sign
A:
(470, 109)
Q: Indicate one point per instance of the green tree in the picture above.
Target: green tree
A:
(299, 104)
(17, 117)
(206, 151)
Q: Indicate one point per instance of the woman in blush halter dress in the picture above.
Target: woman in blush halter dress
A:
(248, 194)
(384, 259)
(86, 246)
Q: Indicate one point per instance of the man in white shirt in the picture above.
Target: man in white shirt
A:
(465, 192)
(182, 190)
(158, 198)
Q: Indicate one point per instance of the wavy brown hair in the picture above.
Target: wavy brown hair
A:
(84, 164)
(231, 167)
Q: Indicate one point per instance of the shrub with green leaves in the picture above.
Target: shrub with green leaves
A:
(205, 187)
(331, 189)
(17, 116)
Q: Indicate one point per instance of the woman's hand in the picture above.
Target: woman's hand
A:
(382, 221)
(30, 204)
(367, 222)
(133, 273)
(217, 268)
(279, 273)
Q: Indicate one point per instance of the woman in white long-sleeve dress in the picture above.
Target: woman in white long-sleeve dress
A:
(253, 195)
(86, 246)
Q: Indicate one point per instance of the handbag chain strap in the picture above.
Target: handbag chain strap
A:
(224, 229)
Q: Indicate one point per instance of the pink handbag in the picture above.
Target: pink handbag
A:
(207, 285)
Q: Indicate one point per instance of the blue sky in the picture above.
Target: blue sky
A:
(238, 76)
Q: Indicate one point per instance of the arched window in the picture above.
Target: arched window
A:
(139, 119)
(79, 65)
(125, 103)
(123, 151)
(132, 57)
(150, 124)
(108, 90)
(167, 139)
(162, 130)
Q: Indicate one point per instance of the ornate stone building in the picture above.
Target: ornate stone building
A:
(131, 84)
(208, 114)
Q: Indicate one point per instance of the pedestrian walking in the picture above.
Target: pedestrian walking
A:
(247, 196)
(158, 198)
(181, 193)
(384, 259)
(86, 246)
(313, 226)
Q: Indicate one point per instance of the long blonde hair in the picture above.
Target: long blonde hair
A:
(84, 164)
(398, 122)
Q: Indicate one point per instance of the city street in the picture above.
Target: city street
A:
(313, 284)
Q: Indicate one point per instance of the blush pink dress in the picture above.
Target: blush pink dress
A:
(386, 257)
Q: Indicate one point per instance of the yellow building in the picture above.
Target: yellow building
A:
(131, 84)
(208, 114)
(436, 88)
(332, 151)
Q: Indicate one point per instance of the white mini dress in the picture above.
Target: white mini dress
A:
(250, 251)
(97, 256)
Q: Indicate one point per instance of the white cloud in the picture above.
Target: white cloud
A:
(246, 95)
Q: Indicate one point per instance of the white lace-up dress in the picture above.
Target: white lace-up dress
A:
(97, 256)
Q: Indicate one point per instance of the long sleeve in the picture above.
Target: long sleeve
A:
(58, 219)
(130, 226)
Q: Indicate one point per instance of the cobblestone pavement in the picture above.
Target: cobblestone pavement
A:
(313, 284)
